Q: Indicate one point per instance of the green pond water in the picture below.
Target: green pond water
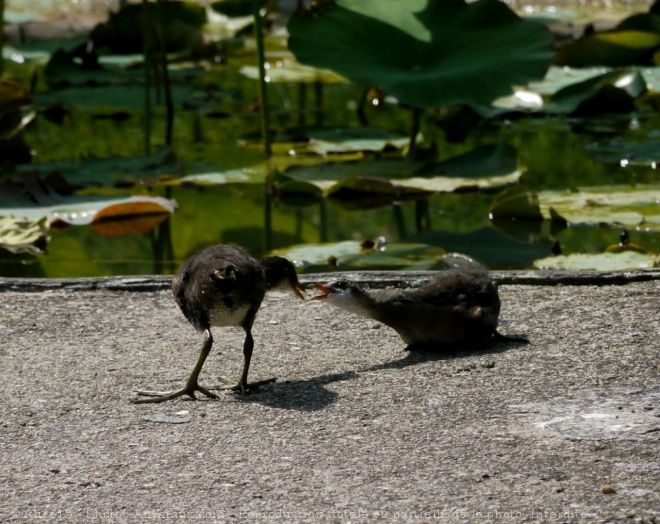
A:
(554, 155)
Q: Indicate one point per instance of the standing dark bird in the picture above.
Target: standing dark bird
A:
(458, 309)
(223, 286)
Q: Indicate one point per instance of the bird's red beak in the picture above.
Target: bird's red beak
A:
(298, 290)
(323, 288)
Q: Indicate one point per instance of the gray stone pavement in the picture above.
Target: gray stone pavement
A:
(355, 429)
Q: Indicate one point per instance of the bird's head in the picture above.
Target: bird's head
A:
(343, 294)
(281, 276)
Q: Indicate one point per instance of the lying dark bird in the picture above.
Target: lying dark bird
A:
(458, 309)
(223, 286)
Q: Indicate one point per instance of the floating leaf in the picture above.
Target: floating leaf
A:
(630, 206)
(643, 152)
(520, 205)
(426, 53)
(33, 200)
(235, 8)
(20, 235)
(111, 171)
(609, 92)
(485, 167)
(351, 254)
(125, 96)
(611, 48)
(180, 24)
(206, 175)
(79, 211)
(371, 175)
(648, 22)
(491, 246)
(13, 96)
(284, 68)
(343, 139)
(489, 160)
(124, 225)
(294, 192)
(599, 262)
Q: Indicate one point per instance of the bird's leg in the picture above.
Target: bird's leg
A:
(242, 384)
(191, 384)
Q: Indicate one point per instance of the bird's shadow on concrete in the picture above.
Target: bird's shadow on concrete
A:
(300, 395)
(417, 354)
(312, 395)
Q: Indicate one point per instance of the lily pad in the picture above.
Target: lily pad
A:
(126, 96)
(609, 92)
(599, 262)
(32, 199)
(617, 48)
(284, 68)
(426, 53)
(235, 8)
(491, 166)
(351, 254)
(344, 139)
(643, 152)
(294, 192)
(519, 205)
(180, 24)
(109, 171)
(629, 206)
(20, 235)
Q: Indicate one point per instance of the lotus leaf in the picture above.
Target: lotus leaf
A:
(111, 171)
(630, 206)
(491, 166)
(600, 94)
(426, 53)
(351, 254)
(235, 8)
(290, 71)
(13, 96)
(641, 22)
(613, 48)
(21, 235)
(491, 246)
(643, 152)
(78, 211)
(32, 198)
(127, 96)
(180, 22)
(599, 262)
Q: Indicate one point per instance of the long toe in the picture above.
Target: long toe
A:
(243, 388)
(163, 396)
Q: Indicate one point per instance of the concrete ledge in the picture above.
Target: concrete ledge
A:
(376, 279)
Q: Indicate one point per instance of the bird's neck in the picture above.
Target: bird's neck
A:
(360, 302)
(276, 276)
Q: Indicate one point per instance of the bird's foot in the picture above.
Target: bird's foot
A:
(162, 396)
(242, 387)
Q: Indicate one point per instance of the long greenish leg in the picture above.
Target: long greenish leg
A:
(242, 384)
(191, 384)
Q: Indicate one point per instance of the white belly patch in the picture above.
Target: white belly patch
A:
(223, 316)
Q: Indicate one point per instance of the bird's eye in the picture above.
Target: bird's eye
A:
(340, 285)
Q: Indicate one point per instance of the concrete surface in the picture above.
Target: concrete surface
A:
(354, 430)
